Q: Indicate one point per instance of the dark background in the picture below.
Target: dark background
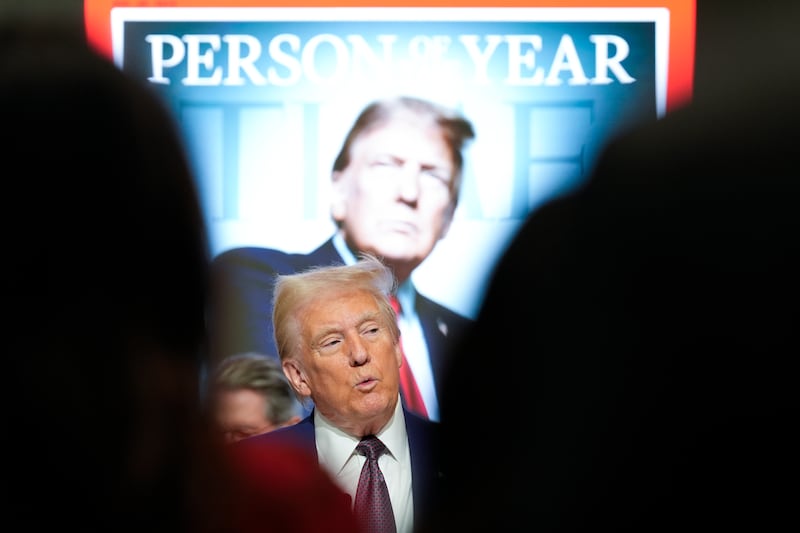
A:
(69, 12)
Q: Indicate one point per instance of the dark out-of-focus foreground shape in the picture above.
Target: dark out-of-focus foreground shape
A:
(642, 330)
(104, 281)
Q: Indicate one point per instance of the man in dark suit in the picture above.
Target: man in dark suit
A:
(339, 345)
(395, 187)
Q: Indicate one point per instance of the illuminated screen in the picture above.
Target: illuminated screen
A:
(265, 94)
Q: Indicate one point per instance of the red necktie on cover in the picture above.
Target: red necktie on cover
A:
(373, 508)
(408, 385)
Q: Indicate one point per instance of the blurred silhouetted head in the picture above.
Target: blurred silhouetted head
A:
(104, 281)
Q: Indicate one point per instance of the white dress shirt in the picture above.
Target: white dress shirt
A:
(338, 456)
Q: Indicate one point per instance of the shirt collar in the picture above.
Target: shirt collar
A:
(347, 255)
(335, 447)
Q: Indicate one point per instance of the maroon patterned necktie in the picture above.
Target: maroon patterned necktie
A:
(409, 389)
(373, 507)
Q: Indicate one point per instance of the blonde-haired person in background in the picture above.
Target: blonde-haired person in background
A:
(250, 396)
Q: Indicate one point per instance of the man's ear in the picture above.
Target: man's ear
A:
(296, 377)
(338, 196)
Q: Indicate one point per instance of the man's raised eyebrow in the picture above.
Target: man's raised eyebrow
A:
(329, 330)
(369, 316)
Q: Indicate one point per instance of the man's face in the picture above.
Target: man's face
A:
(240, 413)
(394, 200)
(349, 361)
